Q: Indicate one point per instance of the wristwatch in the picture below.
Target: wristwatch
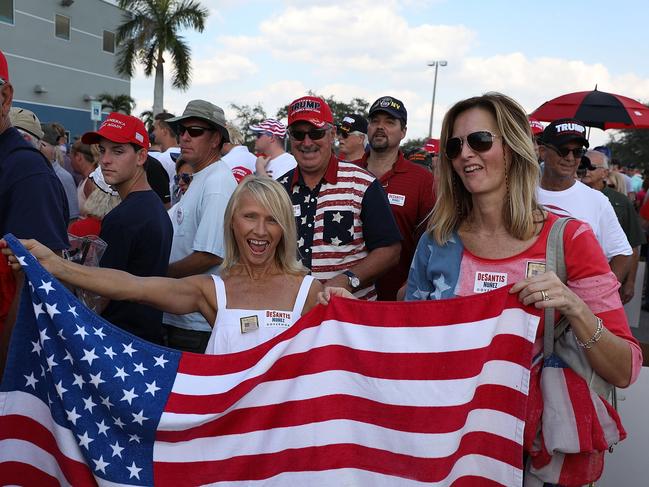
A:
(353, 280)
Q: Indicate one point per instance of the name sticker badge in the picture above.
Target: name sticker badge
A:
(277, 319)
(488, 281)
(249, 323)
(297, 211)
(396, 199)
(534, 269)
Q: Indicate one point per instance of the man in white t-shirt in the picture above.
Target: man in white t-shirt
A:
(197, 246)
(561, 147)
(236, 155)
(167, 139)
(273, 160)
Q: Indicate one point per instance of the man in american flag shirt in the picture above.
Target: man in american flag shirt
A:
(347, 234)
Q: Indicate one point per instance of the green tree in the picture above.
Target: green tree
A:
(410, 144)
(150, 29)
(247, 115)
(631, 147)
(116, 103)
(338, 108)
(147, 118)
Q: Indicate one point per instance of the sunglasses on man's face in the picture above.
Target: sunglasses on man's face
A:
(314, 134)
(193, 130)
(259, 135)
(480, 141)
(185, 177)
(577, 153)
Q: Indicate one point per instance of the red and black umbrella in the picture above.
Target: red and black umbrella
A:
(596, 109)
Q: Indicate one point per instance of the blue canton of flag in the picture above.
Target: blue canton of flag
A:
(87, 393)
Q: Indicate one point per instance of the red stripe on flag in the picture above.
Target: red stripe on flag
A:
(442, 313)
(410, 419)
(393, 366)
(332, 457)
(22, 428)
(16, 473)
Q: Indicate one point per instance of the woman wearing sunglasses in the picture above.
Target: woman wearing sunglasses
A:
(487, 231)
(261, 289)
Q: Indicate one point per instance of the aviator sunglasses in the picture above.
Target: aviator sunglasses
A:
(193, 130)
(314, 134)
(478, 141)
(185, 177)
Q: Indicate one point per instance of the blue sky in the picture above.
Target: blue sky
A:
(272, 52)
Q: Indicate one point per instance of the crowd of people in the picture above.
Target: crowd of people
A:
(214, 249)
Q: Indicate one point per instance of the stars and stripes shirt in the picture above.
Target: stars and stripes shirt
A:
(340, 220)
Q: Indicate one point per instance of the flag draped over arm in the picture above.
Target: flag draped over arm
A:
(354, 393)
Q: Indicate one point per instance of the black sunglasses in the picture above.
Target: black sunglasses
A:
(563, 151)
(478, 141)
(193, 131)
(184, 176)
(314, 134)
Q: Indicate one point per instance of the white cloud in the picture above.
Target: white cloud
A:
(361, 36)
(221, 68)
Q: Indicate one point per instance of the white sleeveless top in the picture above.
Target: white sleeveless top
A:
(235, 330)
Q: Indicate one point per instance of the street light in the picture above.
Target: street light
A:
(437, 64)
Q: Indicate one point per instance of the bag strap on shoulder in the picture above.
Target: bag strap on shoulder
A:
(555, 261)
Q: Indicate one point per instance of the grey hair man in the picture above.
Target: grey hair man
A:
(561, 147)
(595, 177)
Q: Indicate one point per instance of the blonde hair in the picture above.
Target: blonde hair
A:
(617, 181)
(273, 197)
(99, 203)
(454, 203)
(234, 134)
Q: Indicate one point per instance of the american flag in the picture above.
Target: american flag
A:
(355, 393)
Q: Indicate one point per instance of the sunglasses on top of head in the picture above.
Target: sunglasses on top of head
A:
(577, 153)
(314, 134)
(193, 130)
(480, 141)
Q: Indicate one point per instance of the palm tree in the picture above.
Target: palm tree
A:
(151, 29)
(116, 103)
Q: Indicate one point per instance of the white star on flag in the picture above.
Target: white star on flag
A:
(161, 361)
(31, 381)
(85, 440)
(337, 217)
(129, 349)
(81, 331)
(51, 310)
(47, 287)
(89, 356)
(129, 395)
(100, 465)
(134, 471)
(117, 450)
(73, 416)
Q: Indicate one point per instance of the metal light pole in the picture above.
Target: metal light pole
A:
(437, 64)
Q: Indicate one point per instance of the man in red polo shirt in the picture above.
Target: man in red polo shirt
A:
(409, 187)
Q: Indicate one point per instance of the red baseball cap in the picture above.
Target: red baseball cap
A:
(536, 126)
(4, 69)
(432, 145)
(310, 109)
(119, 128)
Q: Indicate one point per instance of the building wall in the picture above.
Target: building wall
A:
(69, 71)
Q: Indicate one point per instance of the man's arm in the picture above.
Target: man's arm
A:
(377, 263)
(628, 285)
(620, 265)
(195, 263)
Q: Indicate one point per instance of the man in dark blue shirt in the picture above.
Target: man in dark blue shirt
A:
(138, 231)
(32, 201)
